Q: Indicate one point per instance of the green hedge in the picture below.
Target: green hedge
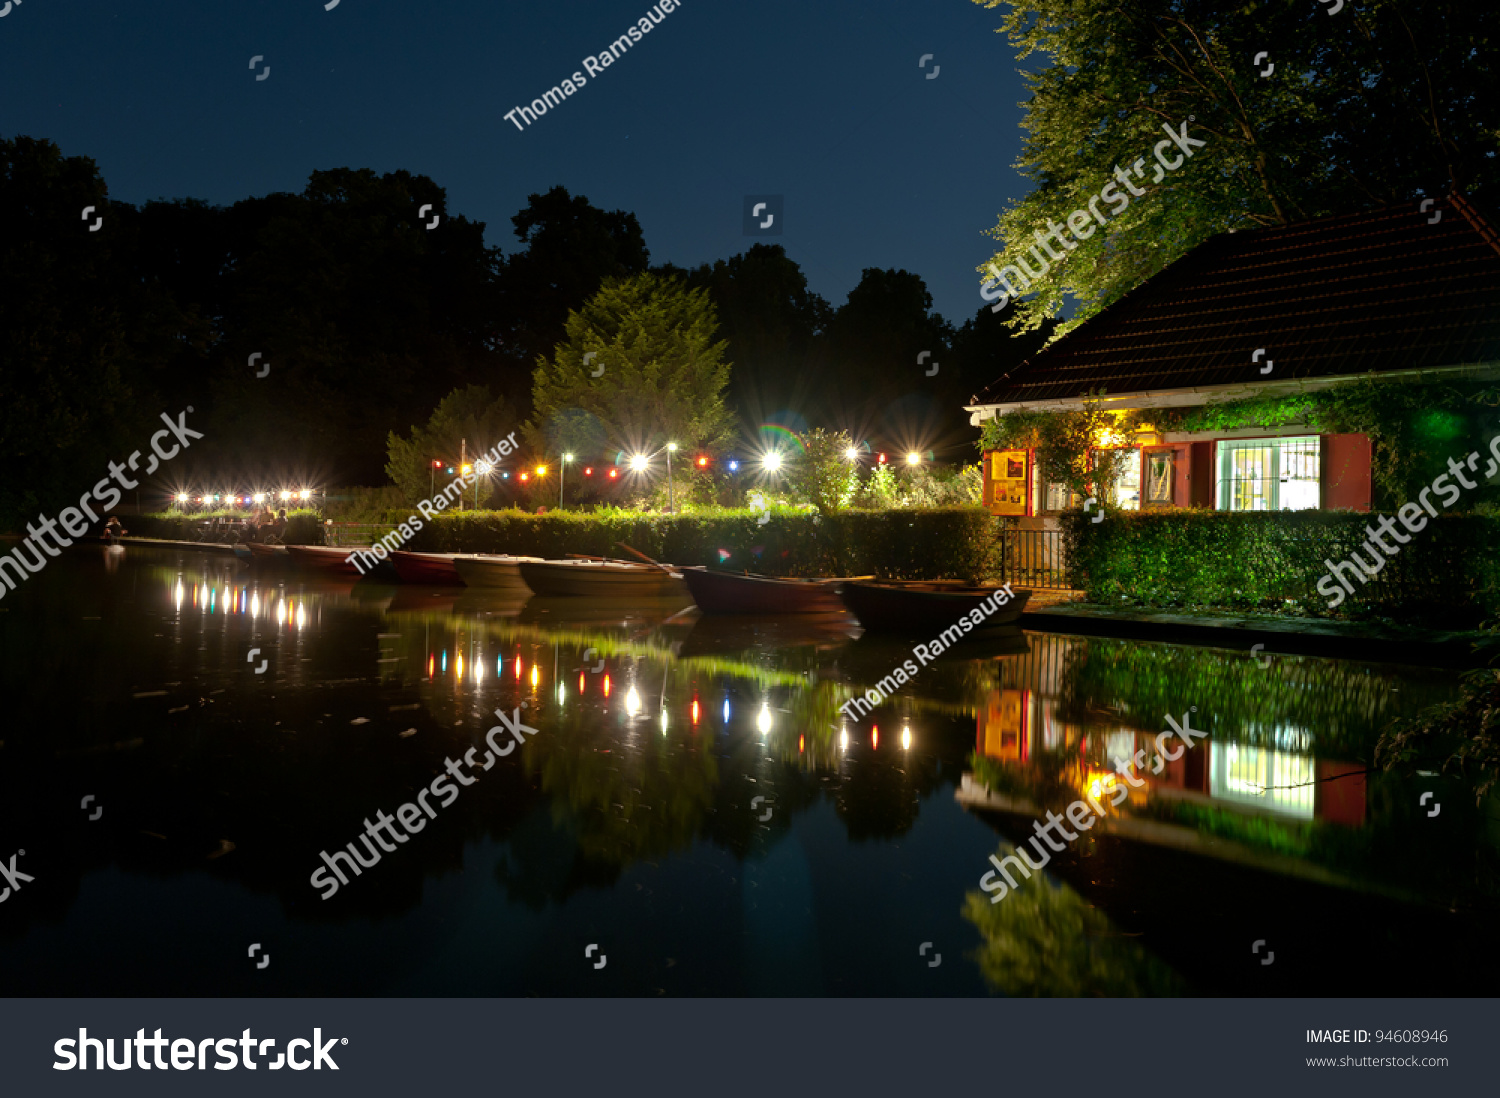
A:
(1448, 573)
(304, 526)
(952, 542)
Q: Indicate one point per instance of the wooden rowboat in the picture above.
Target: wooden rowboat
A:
(326, 558)
(601, 579)
(263, 552)
(718, 592)
(491, 569)
(930, 608)
(426, 569)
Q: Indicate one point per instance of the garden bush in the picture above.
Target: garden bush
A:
(304, 526)
(954, 542)
(1273, 560)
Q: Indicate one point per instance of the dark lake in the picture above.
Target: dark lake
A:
(691, 803)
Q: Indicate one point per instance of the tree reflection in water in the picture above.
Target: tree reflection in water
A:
(1046, 939)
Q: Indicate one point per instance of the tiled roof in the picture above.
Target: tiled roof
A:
(1376, 291)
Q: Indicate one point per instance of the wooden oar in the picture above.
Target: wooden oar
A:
(644, 557)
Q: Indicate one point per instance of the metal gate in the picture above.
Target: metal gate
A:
(1033, 558)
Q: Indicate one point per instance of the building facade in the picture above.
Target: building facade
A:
(1389, 294)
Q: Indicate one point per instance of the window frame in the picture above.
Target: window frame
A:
(1224, 447)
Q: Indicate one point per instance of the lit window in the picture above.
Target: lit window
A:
(1275, 781)
(1127, 493)
(1269, 474)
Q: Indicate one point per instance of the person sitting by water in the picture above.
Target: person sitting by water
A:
(276, 527)
(113, 531)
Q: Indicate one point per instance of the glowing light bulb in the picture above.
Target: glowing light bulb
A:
(906, 738)
(763, 719)
(632, 702)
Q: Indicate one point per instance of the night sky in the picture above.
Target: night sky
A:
(821, 102)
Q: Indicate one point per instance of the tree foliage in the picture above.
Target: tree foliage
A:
(1375, 106)
(823, 474)
(87, 339)
(472, 413)
(661, 373)
(1082, 449)
(571, 248)
(770, 320)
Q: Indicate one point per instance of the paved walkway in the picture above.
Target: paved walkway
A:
(1065, 612)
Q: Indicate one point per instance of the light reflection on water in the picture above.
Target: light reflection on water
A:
(630, 812)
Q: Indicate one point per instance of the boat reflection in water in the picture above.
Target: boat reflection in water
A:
(693, 786)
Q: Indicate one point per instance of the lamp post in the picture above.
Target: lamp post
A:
(484, 469)
(463, 461)
(562, 475)
(671, 500)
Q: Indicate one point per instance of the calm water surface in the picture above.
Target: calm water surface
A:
(692, 803)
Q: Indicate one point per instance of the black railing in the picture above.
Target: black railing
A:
(355, 533)
(1033, 558)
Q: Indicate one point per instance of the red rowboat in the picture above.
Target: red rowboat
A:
(718, 592)
(426, 569)
(600, 579)
(326, 558)
(930, 607)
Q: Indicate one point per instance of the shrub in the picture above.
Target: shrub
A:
(822, 474)
(304, 526)
(880, 490)
(954, 542)
(1274, 560)
(384, 504)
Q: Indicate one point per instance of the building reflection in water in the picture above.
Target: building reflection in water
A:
(1028, 714)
